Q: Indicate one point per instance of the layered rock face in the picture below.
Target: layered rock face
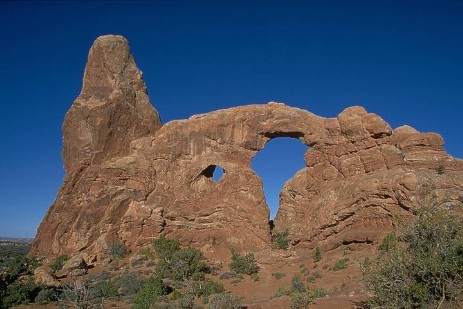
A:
(128, 178)
(112, 110)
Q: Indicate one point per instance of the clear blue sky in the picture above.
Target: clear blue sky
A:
(400, 59)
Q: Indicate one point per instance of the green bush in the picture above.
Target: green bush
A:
(187, 264)
(206, 288)
(149, 293)
(224, 300)
(296, 284)
(278, 276)
(182, 264)
(254, 277)
(340, 264)
(117, 249)
(317, 255)
(165, 248)
(280, 240)
(17, 285)
(301, 296)
(179, 264)
(244, 264)
(423, 268)
(129, 284)
(59, 262)
(316, 275)
(19, 266)
(147, 252)
(45, 296)
(301, 300)
(105, 289)
(281, 292)
(179, 301)
(440, 169)
(18, 292)
(390, 242)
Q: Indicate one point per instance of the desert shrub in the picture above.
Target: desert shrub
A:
(146, 297)
(59, 262)
(101, 276)
(206, 288)
(278, 276)
(224, 300)
(316, 275)
(183, 264)
(301, 296)
(177, 263)
(254, 277)
(236, 281)
(105, 289)
(423, 267)
(317, 292)
(317, 255)
(18, 292)
(186, 301)
(340, 264)
(390, 242)
(136, 262)
(296, 284)
(81, 296)
(117, 249)
(281, 292)
(176, 294)
(227, 275)
(45, 296)
(280, 240)
(244, 264)
(301, 300)
(129, 284)
(187, 263)
(150, 264)
(180, 301)
(215, 268)
(440, 169)
(147, 252)
(18, 266)
(16, 284)
(165, 248)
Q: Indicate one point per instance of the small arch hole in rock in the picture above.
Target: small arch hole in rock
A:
(275, 164)
(214, 171)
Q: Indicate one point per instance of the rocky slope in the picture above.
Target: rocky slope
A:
(129, 178)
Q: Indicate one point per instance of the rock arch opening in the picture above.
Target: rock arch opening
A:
(275, 164)
(214, 172)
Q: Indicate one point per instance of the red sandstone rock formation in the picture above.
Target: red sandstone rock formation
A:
(130, 179)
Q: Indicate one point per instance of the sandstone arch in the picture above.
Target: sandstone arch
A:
(359, 172)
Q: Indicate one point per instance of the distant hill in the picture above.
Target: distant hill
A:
(16, 240)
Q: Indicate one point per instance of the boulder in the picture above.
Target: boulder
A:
(43, 275)
(75, 262)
